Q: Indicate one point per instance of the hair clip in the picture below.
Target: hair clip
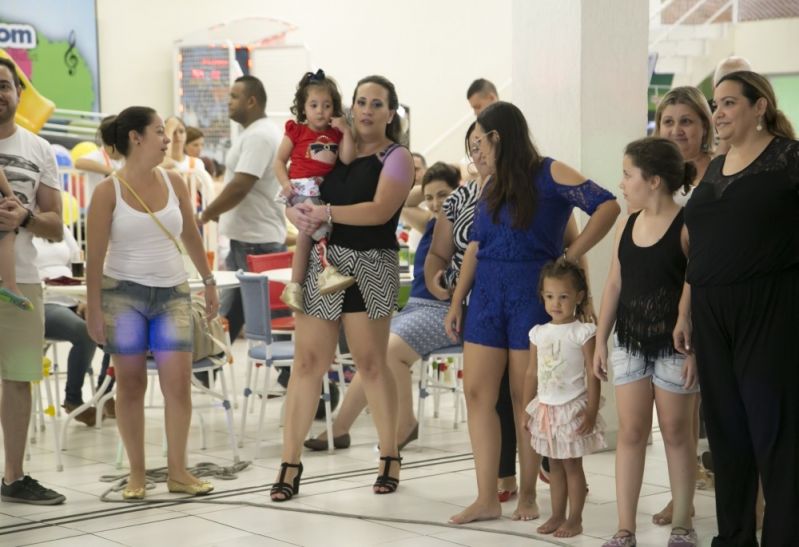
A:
(318, 76)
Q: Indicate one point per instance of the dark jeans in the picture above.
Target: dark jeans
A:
(507, 425)
(63, 324)
(230, 301)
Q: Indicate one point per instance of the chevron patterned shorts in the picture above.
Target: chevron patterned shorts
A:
(376, 274)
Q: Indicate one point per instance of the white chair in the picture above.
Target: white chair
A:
(441, 372)
(57, 370)
(262, 349)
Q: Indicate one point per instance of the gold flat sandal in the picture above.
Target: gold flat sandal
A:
(134, 493)
(200, 488)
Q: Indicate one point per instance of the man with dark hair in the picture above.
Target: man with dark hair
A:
(30, 167)
(419, 168)
(480, 94)
(250, 216)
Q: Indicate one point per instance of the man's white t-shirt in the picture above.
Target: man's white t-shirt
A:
(258, 218)
(27, 161)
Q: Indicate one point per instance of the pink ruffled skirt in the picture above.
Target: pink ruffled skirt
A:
(553, 429)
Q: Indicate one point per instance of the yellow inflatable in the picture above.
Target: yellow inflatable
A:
(34, 109)
(81, 149)
(69, 208)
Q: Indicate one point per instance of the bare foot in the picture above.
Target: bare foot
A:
(551, 525)
(665, 515)
(526, 509)
(569, 529)
(478, 511)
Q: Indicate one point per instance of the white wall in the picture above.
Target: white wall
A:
(770, 46)
(430, 50)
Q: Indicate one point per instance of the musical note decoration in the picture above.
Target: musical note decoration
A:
(70, 57)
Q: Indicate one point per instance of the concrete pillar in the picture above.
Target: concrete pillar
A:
(579, 72)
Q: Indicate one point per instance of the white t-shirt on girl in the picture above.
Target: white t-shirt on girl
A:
(561, 364)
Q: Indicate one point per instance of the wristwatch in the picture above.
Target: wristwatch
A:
(27, 219)
(209, 281)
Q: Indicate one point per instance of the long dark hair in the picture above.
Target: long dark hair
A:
(322, 81)
(517, 162)
(393, 129)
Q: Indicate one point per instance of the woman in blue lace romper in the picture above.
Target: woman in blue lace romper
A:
(519, 226)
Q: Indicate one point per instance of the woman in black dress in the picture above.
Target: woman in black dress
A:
(743, 283)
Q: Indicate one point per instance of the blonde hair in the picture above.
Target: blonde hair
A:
(755, 87)
(692, 97)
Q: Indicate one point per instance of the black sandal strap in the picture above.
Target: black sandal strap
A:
(384, 480)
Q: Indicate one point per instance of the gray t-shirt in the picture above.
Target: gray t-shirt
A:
(258, 218)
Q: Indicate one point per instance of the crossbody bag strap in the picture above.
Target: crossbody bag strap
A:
(149, 212)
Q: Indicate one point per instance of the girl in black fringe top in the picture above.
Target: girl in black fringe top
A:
(642, 297)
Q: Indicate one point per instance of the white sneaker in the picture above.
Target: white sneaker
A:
(292, 297)
(331, 280)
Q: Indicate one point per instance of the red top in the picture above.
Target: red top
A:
(314, 153)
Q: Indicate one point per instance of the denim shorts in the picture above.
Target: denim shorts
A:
(139, 318)
(665, 372)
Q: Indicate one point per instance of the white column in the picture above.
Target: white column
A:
(579, 73)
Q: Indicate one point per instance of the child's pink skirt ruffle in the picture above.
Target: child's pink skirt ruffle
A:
(553, 429)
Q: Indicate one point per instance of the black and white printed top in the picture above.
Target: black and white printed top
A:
(459, 210)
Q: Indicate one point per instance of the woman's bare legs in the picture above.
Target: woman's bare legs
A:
(368, 343)
(675, 416)
(174, 375)
(130, 372)
(483, 367)
(634, 408)
(315, 346)
(400, 358)
(529, 461)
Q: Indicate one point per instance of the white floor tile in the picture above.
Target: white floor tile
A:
(437, 481)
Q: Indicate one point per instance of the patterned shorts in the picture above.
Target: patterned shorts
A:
(376, 273)
(421, 325)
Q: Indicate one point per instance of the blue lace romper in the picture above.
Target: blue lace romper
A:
(504, 303)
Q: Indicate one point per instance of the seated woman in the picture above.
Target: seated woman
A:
(416, 331)
(64, 319)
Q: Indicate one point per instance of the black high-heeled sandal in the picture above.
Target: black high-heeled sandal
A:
(282, 488)
(386, 484)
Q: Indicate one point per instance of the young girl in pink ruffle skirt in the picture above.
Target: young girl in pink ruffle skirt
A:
(564, 422)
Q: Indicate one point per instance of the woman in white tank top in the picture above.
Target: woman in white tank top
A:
(137, 291)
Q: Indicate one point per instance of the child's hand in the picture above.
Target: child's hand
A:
(340, 123)
(600, 364)
(288, 191)
(588, 422)
(689, 372)
(587, 313)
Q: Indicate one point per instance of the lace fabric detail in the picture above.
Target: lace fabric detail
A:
(586, 196)
(779, 155)
(644, 324)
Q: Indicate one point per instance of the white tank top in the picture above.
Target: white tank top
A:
(138, 249)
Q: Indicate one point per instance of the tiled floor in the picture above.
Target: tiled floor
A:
(335, 506)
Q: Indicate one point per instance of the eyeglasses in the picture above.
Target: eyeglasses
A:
(474, 147)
